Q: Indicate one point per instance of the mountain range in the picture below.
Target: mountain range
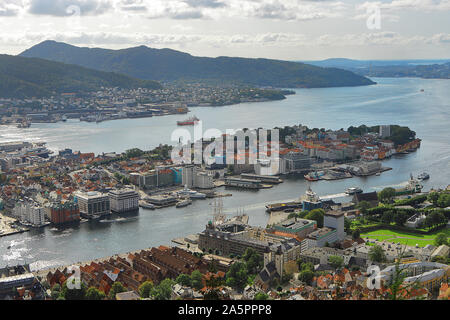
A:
(170, 65)
(420, 68)
(32, 77)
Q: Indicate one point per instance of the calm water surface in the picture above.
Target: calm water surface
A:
(391, 101)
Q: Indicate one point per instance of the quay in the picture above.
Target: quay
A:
(265, 179)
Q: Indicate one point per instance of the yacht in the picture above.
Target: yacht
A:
(184, 203)
(353, 190)
(191, 193)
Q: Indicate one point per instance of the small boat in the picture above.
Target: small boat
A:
(312, 176)
(378, 174)
(353, 190)
(188, 122)
(423, 176)
(184, 203)
(146, 205)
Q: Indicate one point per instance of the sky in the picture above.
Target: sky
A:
(277, 29)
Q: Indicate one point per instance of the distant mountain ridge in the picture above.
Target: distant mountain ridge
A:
(170, 65)
(32, 77)
(427, 69)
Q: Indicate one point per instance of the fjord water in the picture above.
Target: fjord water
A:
(391, 101)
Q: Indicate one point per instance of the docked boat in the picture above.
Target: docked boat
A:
(191, 194)
(312, 176)
(423, 176)
(184, 203)
(413, 186)
(24, 124)
(188, 122)
(146, 205)
(353, 190)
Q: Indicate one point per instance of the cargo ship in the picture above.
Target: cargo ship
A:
(188, 122)
(413, 186)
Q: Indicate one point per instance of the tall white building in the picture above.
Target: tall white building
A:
(385, 131)
(123, 200)
(194, 177)
(30, 213)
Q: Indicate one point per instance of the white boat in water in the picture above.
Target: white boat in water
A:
(184, 203)
(146, 205)
(353, 190)
(423, 176)
(191, 194)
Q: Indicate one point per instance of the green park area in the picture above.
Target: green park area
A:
(406, 238)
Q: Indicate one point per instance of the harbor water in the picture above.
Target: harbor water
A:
(391, 101)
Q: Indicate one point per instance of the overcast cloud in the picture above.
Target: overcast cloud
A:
(284, 29)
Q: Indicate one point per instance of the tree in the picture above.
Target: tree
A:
(237, 276)
(306, 276)
(73, 294)
(316, 215)
(387, 217)
(307, 266)
(254, 261)
(444, 200)
(347, 224)
(441, 238)
(356, 234)
(433, 197)
(184, 280)
(376, 253)
(261, 296)
(94, 294)
(400, 218)
(336, 261)
(196, 280)
(386, 194)
(116, 288)
(145, 289)
(363, 206)
(163, 291)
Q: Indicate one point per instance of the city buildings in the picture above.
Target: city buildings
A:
(195, 177)
(123, 200)
(29, 212)
(60, 213)
(92, 204)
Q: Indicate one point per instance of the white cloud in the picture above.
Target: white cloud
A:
(62, 8)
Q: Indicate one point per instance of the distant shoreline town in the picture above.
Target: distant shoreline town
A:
(117, 103)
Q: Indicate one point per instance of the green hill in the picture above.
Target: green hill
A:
(30, 77)
(169, 65)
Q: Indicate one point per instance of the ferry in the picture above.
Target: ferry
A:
(191, 193)
(423, 176)
(353, 190)
(184, 203)
(188, 122)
